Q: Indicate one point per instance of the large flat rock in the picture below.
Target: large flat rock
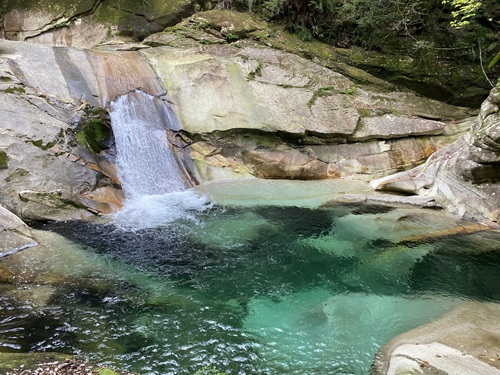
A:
(220, 87)
(465, 341)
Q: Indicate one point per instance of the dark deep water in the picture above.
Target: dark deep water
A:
(256, 290)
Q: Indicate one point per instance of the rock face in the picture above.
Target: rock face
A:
(45, 173)
(15, 234)
(464, 176)
(90, 22)
(248, 111)
(465, 341)
(272, 114)
(480, 161)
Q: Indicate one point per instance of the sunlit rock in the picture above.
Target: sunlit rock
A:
(45, 93)
(462, 177)
(465, 341)
(15, 235)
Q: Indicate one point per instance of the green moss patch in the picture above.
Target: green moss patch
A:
(363, 112)
(328, 91)
(94, 128)
(27, 361)
(4, 160)
(14, 90)
(39, 143)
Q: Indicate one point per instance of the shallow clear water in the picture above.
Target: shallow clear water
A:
(267, 289)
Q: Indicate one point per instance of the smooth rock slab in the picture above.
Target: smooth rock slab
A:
(436, 358)
(391, 126)
(465, 341)
(15, 235)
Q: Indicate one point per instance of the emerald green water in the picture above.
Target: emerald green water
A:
(249, 290)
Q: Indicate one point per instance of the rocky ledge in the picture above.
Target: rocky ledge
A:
(462, 177)
(463, 342)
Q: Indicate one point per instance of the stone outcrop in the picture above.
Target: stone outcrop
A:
(15, 234)
(90, 22)
(272, 114)
(465, 341)
(462, 177)
(45, 173)
(456, 82)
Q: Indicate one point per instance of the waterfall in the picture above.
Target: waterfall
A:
(155, 193)
(146, 164)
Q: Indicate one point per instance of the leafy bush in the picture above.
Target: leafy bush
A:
(421, 28)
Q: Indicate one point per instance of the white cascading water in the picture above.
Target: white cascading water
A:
(155, 193)
(146, 164)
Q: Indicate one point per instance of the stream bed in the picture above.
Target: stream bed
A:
(244, 290)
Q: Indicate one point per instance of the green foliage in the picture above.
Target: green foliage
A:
(270, 8)
(304, 33)
(463, 11)
(340, 22)
(231, 38)
(494, 61)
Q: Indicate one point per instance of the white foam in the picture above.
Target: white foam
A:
(150, 211)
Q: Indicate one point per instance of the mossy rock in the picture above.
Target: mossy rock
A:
(229, 25)
(458, 83)
(14, 90)
(27, 361)
(39, 143)
(12, 362)
(107, 371)
(94, 129)
(54, 6)
(127, 18)
(4, 160)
